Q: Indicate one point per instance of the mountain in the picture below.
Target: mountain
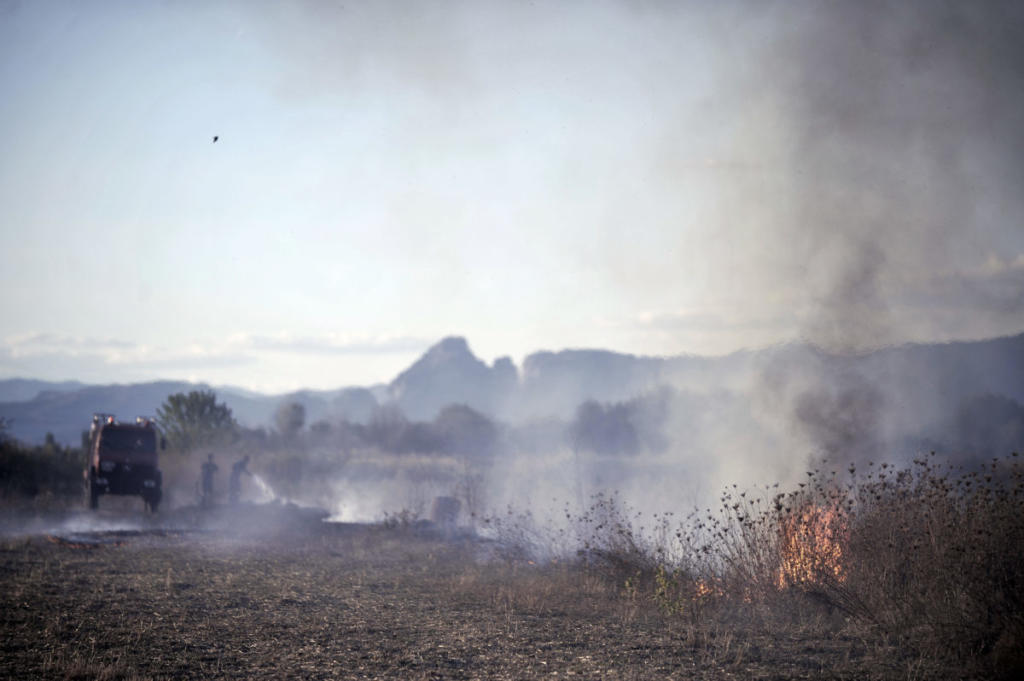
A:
(450, 373)
(916, 388)
(21, 389)
(66, 413)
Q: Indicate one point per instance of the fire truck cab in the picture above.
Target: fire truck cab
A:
(123, 460)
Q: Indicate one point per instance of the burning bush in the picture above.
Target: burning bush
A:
(811, 546)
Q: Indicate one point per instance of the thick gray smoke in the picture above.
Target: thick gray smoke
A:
(906, 151)
(908, 133)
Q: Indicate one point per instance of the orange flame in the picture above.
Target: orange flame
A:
(707, 588)
(811, 546)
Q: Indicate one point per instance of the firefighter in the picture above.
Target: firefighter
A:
(235, 482)
(209, 469)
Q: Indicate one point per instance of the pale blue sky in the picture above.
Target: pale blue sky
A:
(644, 177)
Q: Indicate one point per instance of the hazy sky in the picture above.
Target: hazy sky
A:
(655, 178)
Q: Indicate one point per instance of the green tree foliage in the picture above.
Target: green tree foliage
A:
(604, 429)
(465, 431)
(29, 471)
(289, 419)
(386, 428)
(196, 420)
(619, 428)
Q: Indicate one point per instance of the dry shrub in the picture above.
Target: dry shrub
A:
(937, 554)
(929, 557)
(517, 537)
(611, 539)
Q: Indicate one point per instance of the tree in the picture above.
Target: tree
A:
(604, 429)
(386, 426)
(196, 420)
(289, 419)
(473, 439)
(465, 431)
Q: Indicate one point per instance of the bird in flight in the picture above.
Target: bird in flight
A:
(215, 138)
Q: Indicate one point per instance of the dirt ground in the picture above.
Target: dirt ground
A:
(268, 594)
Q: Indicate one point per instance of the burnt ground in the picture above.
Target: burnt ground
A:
(250, 596)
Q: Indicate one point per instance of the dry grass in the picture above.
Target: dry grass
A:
(366, 602)
(915, 573)
(928, 559)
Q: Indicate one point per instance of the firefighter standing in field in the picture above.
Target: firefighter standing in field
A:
(235, 482)
(209, 469)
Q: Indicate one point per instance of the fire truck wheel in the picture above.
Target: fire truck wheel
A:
(152, 500)
(92, 492)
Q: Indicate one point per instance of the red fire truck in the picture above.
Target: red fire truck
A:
(123, 460)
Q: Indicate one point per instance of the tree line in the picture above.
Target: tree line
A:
(197, 422)
(28, 471)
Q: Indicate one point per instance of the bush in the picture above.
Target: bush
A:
(937, 554)
(41, 470)
(929, 556)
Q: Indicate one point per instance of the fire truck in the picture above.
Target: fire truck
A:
(123, 460)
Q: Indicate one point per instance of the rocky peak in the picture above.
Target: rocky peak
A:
(448, 350)
(451, 354)
(450, 373)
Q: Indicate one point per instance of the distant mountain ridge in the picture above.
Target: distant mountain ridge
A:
(22, 389)
(926, 381)
(65, 410)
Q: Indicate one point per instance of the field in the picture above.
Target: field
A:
(272, 592)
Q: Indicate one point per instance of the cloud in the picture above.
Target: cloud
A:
(335, 344)
(996, 287)
(27, 345)
(706, 330)
(56, 356)
(35, 350)
(703, 320)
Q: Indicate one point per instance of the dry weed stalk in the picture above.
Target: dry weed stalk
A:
(926, 555)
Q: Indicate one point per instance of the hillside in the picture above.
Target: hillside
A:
(920, 388)
(66, 411)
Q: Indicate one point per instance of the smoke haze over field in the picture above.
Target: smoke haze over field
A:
(664, 434)
(817, 182)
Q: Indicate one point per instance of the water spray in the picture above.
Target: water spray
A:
(265, 490)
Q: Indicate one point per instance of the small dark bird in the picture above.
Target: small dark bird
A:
(215, 138)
